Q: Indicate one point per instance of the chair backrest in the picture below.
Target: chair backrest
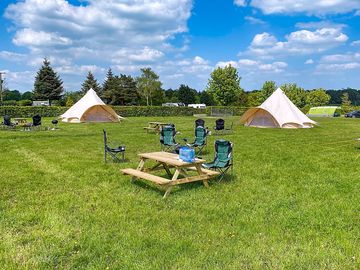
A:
(200, 135)
(223, 155)
(36, 120)
(167, 135)
(199, 122)
(105, 136)
(220, 124)
(7, 120)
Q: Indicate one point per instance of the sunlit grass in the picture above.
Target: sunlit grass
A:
(293, 203)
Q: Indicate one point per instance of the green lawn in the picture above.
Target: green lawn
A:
(294, 201)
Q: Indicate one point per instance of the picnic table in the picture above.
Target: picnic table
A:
(155, 126)
(167, 161)
(20, 120)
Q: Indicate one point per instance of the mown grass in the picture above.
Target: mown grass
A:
(293, 202)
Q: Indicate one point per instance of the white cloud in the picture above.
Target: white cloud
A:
(264, 39)
(255, 66)
(298, 42)
(355, 43)
(254, 20)
(100, 29)
(240, 3)
(309, 62)
(199, 61)
(319, 7)
(340, 58)
(339, 62)
(12, 56)
(338, 67)
(320, 24)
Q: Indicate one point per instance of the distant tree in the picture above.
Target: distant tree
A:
(108, 87)
(254, 98)
(122, 91)
(266, 90)
(224, 85)
(91, 82)
(69, 101)
(148, 84)
(171, 95)
(317, 97)
(12, 95)
(27, 96)
(48, 85)
(345, 102)
(186, 94)
(158, 97)
(296, 94)
(206, 98)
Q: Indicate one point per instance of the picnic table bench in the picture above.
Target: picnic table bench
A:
(155, 126)
(166, 161)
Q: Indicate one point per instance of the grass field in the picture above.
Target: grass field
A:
(293, 203)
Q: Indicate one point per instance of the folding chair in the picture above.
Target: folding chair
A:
(200, 141)
(167, 138)
(219, 126)
(113, 151)
(223, 157)
(199, 122)
(7, 123)
(36, 122)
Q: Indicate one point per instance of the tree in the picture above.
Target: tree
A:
(47, 85)
(296, 94)
(345, 102)
(254, 98)
(90, 82)
(69, 101)
(148, 84)
(27, 96)
(12, 95)
(224, 85)
(267, 89)
(206, 98)
(317, 97)
(186, 94)
(108, 86)
(171, 95)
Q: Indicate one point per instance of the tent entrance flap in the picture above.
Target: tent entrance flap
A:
(98, 114)
(262, 119)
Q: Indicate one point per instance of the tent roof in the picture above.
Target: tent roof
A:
(89, 100)
(280, 107)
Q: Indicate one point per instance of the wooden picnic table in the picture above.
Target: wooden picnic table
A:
(20, 120)
(155, 126)
(168, 161)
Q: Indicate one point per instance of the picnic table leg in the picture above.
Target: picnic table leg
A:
(200, 172)
(167, 169)
(175, 176)
(139, 168)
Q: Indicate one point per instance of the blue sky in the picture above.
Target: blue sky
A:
(311, 43)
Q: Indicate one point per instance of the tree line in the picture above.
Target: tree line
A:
(223, 89)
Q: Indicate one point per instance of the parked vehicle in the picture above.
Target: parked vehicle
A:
(353, 114)
(197, 106)
(170, 104)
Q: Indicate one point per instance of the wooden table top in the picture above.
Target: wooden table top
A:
(170, 158)
(157, 123)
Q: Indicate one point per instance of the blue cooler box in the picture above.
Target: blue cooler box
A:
(187, 154)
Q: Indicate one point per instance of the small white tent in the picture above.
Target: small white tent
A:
(277, 111)
(90, 108)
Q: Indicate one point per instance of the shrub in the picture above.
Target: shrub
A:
(25, 102)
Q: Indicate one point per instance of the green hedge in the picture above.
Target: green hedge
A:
(125, 111)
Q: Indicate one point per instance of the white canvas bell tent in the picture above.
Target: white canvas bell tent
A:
(277, 112)
(90, 108)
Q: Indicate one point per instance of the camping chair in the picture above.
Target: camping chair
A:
(167, 138)
(36, 122)
(199, 122)
(200, 139)
(223, 157)
(7, 122)
(113, 151)
(219, 126)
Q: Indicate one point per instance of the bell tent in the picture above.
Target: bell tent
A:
(277, 112)
(90, 108)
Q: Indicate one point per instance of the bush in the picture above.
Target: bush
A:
(125, 111)
(25, 102)
(9, 103)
